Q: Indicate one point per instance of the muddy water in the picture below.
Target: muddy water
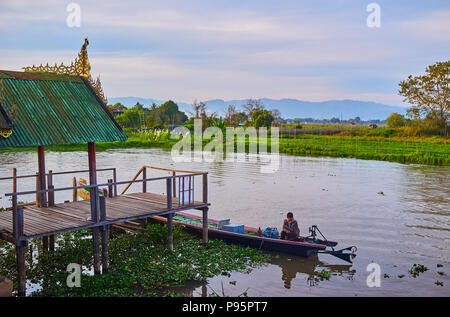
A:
(397, 215)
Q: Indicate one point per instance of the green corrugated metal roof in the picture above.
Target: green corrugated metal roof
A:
(50, 109)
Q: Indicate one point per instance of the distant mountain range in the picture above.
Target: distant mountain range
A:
(289, 108)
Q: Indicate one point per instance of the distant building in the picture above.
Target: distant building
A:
(116, 111)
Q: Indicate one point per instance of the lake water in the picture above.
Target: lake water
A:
(397, 215)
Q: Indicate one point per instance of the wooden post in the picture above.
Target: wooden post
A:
(144, 183)
(52, 242)
(174, 184)
(37, 188)
(170, 232)
(42, 181)
(93, 180)
(51, 202)
(96, 247)
(169, 193)
(20, 250)
(104, 232)
(51, 195)
(20, 255)
(110, 188)
(94, 205)
(205, 209)
(75, 191)
(115, 181)
(205, 225)
(205, 188)
(45, 243)
(14, 198)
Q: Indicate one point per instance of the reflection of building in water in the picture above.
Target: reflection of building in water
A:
(291, 266)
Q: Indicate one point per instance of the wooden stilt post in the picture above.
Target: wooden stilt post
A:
(205, 209)
(170, 232)
(205, 225)
(20, 255)
(96, 247)
(20, 251)
(104, 231)
(42, 181)
(169, 216)
(18, 233)
(45, 243)
(94, 205)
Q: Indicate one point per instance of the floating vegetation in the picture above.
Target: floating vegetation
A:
(324, 274)
(416, 269)
(140, 264)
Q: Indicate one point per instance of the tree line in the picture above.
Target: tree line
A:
(168, 114)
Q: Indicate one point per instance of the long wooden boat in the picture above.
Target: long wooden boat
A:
(304, 246)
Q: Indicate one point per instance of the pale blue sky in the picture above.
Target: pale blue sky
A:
(186, 50)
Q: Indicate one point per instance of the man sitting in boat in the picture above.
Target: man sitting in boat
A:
(290, 228)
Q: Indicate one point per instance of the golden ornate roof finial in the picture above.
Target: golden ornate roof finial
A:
(84, 66)
(79, 67)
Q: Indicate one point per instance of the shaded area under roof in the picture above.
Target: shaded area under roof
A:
(47, 109)
(5, 122)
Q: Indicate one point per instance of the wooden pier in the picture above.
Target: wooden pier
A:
(45, 218)
(62, 105)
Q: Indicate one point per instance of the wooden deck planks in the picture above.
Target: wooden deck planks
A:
(66, 216)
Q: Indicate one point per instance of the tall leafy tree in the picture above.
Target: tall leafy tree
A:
(262, 118)
(395, 120)
(429, 94)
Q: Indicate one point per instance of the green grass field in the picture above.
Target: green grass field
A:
(377, 144)
(403, 150)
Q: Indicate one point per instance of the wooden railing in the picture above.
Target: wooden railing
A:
(186, 184)
(49, 176)
(98, 215)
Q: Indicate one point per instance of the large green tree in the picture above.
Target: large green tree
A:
(395, 120)
(262, 118)
(131, 118)
(429, 94)
(166, 114)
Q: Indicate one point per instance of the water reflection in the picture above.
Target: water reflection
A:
(292, 266)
